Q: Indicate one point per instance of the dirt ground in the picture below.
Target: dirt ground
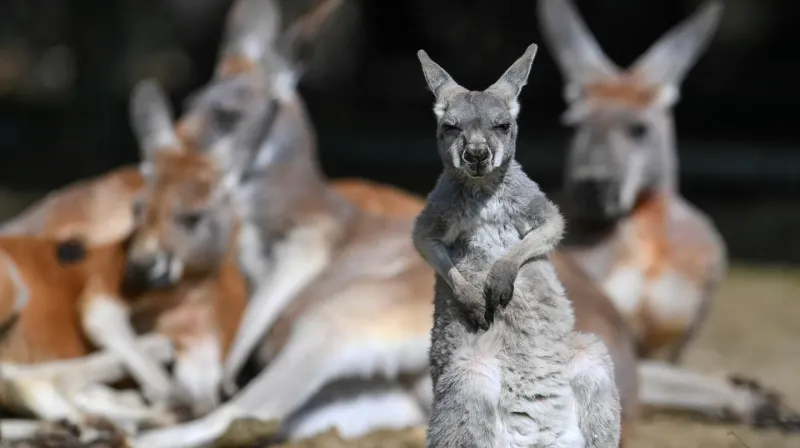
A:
(753, 330)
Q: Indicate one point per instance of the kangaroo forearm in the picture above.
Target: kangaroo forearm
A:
(539, 241)
(435, 254)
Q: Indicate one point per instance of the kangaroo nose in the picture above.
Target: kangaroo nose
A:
(149, 271)
(477, 153)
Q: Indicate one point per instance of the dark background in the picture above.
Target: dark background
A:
(67, 67)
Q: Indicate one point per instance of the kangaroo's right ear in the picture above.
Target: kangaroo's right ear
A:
(667, 62)
(298, 40)
(514, 79)
(439, 82)
(151, 119)
(251, 28)
(574, 48)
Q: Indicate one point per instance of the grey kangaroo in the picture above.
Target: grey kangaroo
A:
(508, 367)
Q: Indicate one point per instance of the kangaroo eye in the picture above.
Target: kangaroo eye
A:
(190, 220)
(226, 119)
(502, 127)
(637, 131)
(138, 209)
(450, 128)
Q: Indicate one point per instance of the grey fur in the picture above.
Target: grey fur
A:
(508, 368)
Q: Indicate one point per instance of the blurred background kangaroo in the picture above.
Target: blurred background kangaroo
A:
(298, 230)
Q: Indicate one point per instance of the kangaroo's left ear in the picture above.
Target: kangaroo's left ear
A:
(514, 79)
(251, 28)
(668, 61)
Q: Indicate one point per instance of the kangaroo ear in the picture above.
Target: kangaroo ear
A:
(297, 42)
(574, 48)
(668, 61)
(152, 120)
(439, 82)
(514, 79)
(251, 28)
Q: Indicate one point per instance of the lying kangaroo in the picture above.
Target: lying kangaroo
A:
(508, 368)
(185, 242)
(53, 296)
(656, 256)
(660, 259)
(200, 310)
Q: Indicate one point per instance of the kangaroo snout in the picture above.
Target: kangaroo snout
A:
(477, 153)
(152, 270)
(597, 199)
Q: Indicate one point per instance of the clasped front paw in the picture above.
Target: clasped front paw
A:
(499, 288)
(473, 306)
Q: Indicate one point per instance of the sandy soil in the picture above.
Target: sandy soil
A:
(753, 330)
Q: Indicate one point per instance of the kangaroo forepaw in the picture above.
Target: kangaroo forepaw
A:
(774, 414)
(770, 412)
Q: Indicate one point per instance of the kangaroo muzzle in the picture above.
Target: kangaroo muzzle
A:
(596, 199)
(478, 158)
(157, 270)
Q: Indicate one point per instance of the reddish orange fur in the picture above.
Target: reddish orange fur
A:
(235, 65)
(97, 211)
(210, 300)
(381, 199)
(652, 251)
(626, 90)
(49, 327)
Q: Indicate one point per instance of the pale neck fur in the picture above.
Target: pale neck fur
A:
(670, 179)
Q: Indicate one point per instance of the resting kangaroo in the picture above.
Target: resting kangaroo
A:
(656, 256)
(198, 308)
(508, 368)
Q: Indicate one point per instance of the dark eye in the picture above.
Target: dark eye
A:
(226, 119)
(190, 220)
(450, 128)
(138, 210)
(502, 127)
(637, 131)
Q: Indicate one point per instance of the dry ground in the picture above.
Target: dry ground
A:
(753, 330)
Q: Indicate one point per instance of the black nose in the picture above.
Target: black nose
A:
(478, 154)
(136, 277)
(140, 276)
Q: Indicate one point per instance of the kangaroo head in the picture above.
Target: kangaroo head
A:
(185, 214)
(623, 144)
(257, 64)
(477, 130)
